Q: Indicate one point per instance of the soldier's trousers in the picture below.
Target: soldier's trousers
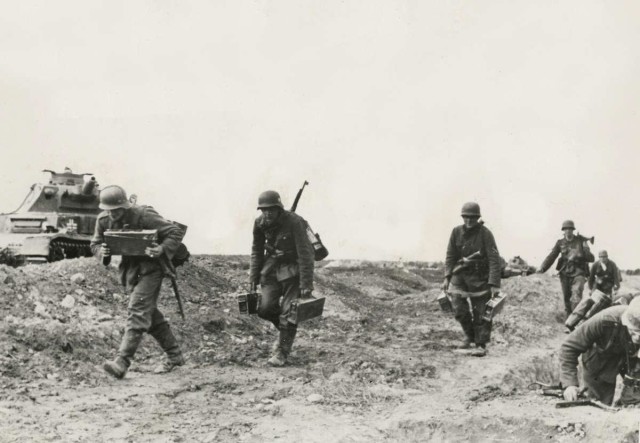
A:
(274, 310)
(143, 316)
(572, 289)
(468, 311)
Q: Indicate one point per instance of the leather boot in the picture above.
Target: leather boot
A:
(167, 341)
(281, 353)
(130, 342)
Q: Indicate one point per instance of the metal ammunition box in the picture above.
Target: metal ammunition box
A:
(445, 302)
(305, 309)
(130, 241)
(494, 306)
(249, 303)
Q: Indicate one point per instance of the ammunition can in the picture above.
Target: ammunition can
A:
(445, 302)
(249, 303)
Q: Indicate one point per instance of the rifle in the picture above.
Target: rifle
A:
(298, 195)
(170, 271)
(464, 262)
(556, 390)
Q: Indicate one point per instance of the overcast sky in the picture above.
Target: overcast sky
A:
(396, 112)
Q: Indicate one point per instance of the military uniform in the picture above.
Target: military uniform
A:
(473, 280)
(282, 259)
(142, 277)
(573, 267)
(604, 277)
(607, 350)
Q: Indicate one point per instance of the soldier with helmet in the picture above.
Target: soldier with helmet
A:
(282, 259)
(604, 275)
(141, 275)
(472, 277)
(573, 265)
(609, 343)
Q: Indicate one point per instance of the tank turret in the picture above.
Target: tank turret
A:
(56, 219)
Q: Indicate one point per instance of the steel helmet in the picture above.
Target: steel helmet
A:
(631, 316)
(113, 197)
(471, 209)
(269, 199)
(568, 224)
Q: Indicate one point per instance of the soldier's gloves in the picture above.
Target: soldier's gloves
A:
(104, 250)
(494, 291)
(305, 293)
(445, 284)
(571, 393)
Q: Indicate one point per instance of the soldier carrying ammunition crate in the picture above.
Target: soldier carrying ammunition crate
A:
(282, 257)
(472, 276)
(141, 275)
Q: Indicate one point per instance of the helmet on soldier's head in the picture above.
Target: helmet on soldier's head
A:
(470, 209)
(113, 197)
(568, 224)
(269, 199)
(631, 316)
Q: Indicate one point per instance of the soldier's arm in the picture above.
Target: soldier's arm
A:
(547, 262)
(592, 276)
(616, 275)
(451, 257)
(576, 343)
(98, 239)
(257, 254)
(588, 255)
(169, 235)
(492, 254)
(304, 251)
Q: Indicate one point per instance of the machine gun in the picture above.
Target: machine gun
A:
(557, 390)
(581, 237)
(465, 262)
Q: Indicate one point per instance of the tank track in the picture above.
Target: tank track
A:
(61, 248)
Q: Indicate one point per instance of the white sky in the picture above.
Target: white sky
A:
(397, 112)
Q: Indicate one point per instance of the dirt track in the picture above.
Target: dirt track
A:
(377, 367)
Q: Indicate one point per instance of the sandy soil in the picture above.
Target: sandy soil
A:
(378, 366)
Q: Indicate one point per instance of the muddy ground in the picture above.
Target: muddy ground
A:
(378, 366)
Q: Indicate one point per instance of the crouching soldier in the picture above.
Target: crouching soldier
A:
(282, 263)
(609, 343)
(142, 277)
(472, 276)
(604, 275)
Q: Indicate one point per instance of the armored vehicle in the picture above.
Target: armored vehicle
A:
(55, 221)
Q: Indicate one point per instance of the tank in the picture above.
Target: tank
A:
(55, 221)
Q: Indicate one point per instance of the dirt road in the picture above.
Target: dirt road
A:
(378, 366)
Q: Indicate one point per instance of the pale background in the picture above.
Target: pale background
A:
(397, 112)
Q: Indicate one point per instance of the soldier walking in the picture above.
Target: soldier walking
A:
(282, 264)
(573, 265)
(472, 278)
(604, 275)
(142, 277)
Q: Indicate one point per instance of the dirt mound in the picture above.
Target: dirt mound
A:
(376, 366)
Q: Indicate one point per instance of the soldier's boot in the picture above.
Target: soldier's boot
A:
(479, 351)
(173, 356)
(466, 343)
(130, 342)
(282, 351)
